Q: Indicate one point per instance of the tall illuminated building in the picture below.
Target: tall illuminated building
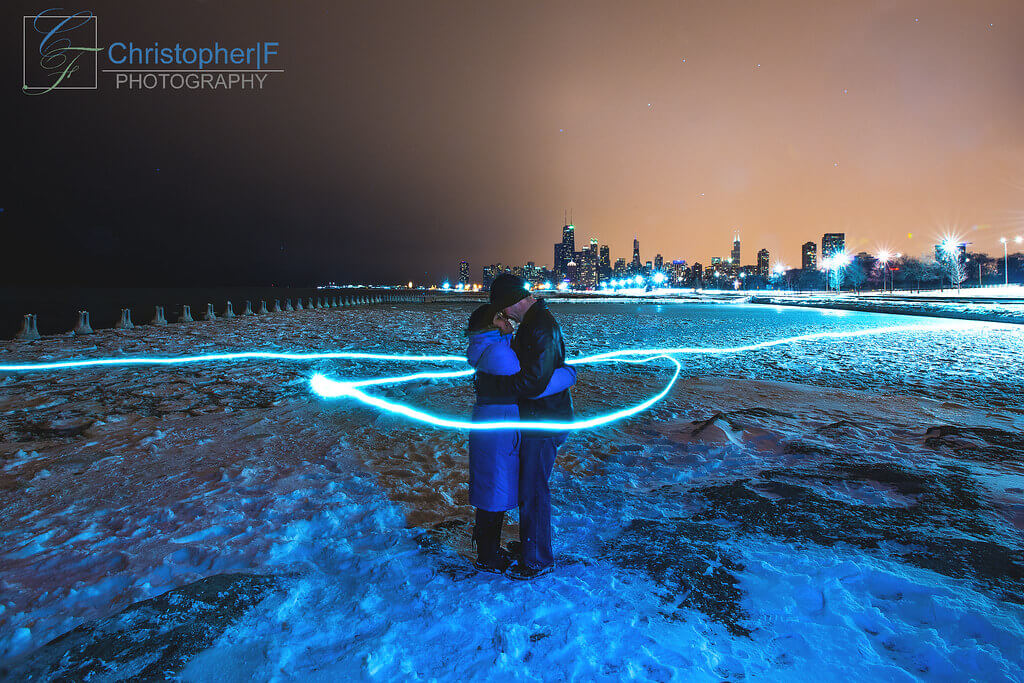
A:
(635, 266)
(619, 270)
(659, 263)
(605, 263)
(832, 243)
(809, 256)
(736, 250)
(464, 272)
(762, 263)
(565, 250)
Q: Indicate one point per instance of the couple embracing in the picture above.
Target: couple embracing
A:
(521, 377)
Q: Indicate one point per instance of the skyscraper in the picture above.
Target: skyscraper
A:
(809, 256)
(489, 273)
(659, 263)
(736, 250)
(605, 261)
(762, 263)
(569, 237)
(591, 266)
(565, 250)
(832, 243)
(619, 271)
(464, 272)
(635, 266)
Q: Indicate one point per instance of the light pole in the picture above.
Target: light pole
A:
(1006, 259)
(951, 248)
(1006, 264)
(883, 258)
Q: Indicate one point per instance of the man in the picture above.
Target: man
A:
(538, 344)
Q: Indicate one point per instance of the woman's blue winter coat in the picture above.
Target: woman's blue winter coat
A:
(494, 454)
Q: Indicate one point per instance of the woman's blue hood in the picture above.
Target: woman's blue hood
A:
(491, 351)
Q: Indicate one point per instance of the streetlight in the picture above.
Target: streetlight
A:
(1006, 262)
(949, 246)
(883, 258)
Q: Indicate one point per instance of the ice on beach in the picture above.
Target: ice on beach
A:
(833, 510)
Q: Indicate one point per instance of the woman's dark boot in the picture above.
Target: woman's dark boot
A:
(490, 556)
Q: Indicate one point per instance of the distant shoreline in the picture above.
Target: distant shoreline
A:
(1010, 311)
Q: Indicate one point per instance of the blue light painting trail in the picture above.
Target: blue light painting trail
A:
(213, 357)
(329, 388)
(325, 387)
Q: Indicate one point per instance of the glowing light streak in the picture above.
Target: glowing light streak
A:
(330, 388)
(814, 336)
(326, 387)
(213, 357)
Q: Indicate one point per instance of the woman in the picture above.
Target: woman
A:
(494, 454)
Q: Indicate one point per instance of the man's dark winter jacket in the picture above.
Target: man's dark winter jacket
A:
(538, 344)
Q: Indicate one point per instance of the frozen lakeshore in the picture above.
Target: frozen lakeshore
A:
(834, 510)
(989, 304)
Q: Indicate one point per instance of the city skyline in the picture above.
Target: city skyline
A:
(811, 255)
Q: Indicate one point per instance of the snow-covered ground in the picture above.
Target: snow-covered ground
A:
(846, 509)
(977, 306)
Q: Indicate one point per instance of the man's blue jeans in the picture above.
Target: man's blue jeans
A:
(536, 458)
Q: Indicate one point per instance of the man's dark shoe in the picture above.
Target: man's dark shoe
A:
(495, 565)
(515, 549)
(522, 572)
